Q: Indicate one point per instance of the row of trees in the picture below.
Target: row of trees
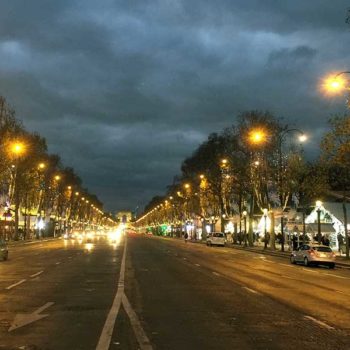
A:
(35, 183)
(257, 164)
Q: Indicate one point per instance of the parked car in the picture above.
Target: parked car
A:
(216, 238)
(4, 253)
(313, 254)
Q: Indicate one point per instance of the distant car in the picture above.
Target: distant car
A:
(4, 253)
(216, 238)
(313, 254)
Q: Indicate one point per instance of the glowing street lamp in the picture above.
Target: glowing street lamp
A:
(57, 177)
(224, 162)
(302, 138)
(41, 166)
(335, 84)
(257, 136)
(17, 148)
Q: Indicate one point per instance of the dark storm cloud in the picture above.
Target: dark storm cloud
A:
(124, 90)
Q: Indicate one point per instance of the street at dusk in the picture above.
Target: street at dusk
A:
(174, 174)
(185, 296)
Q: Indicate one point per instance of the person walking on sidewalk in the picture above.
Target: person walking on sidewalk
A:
(186, 237)
(266, 239)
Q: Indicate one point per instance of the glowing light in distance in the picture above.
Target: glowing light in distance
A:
(302, 138)
(334, 84)
(257, 136)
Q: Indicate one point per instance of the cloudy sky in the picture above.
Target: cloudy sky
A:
(125, 90)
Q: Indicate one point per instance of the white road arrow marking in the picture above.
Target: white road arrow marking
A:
(25, 319)
(121, 299)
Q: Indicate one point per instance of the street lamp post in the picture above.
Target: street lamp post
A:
(336, 84)
(282, 196)
(281, 138)
(17, 149)
(318, 210)
(212, 224)
(265, 228)
(245, 227)
(257, 138)
(282, 233)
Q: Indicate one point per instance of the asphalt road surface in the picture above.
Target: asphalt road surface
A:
(155, 293)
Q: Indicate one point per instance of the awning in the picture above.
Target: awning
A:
(293, 227)
(325, 228)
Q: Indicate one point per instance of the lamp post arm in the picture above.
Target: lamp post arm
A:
(341, 73)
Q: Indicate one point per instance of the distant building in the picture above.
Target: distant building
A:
(124, 216)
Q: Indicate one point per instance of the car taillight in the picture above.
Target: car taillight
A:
(311, 251)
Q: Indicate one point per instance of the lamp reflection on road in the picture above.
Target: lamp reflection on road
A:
(89, 247)
(114, 237)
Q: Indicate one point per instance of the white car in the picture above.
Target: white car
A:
(313, 254)
(216, 238)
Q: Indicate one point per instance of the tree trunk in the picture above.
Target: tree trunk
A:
(250, 231)
(346, 228)
(272, 229)
(16, 214)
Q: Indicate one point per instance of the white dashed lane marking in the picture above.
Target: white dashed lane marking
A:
(37, 274)
(15, 284)
(309, 270)
(337, 276)
(286, 265)
(320, 323)
(251, 290)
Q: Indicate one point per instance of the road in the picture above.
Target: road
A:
(158, 293)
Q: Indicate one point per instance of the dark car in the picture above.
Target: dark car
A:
(4, 253)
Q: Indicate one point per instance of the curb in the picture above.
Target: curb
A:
(28, 242)
(284, 255)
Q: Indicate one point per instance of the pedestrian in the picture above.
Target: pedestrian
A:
(326, 241)
(295, 242)
(240, 237)
(266, 239)
(340, 241)
(186, 237)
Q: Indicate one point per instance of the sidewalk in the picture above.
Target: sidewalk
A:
(341, 261)
(30, 241)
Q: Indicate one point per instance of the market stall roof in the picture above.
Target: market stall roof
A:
(325, 228)
(336, 209)
(295, 227)
(310, 228)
